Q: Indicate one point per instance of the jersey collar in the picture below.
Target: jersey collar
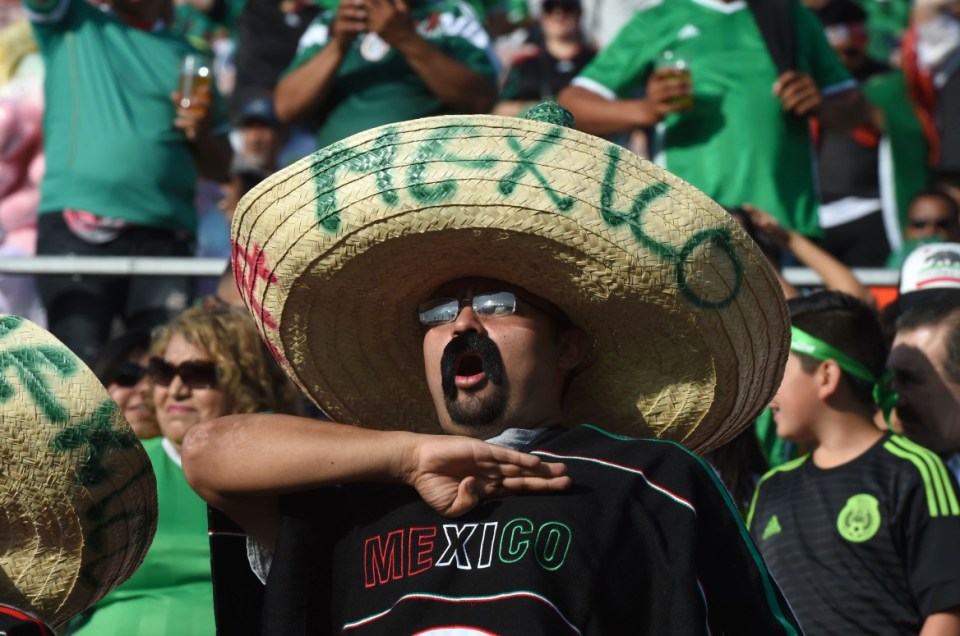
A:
(723, 7)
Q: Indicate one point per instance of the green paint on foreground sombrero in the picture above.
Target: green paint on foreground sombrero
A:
(332, 254)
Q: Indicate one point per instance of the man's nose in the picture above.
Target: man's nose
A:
(468, 320)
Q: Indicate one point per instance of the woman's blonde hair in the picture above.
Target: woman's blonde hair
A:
(249, 375)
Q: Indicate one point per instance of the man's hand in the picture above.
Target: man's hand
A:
(195, 118)
(453, 473)
(926, 408)
(351, 20)
(798, 92)
(668, 93)
(390, 19)
(766, 224)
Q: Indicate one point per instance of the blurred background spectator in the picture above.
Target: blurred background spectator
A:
(730, 112)
(848, 162)
(554, 54)
(370, 63)
(123, 153)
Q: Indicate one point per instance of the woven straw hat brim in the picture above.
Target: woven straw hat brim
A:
(333, 254)
(77, 491)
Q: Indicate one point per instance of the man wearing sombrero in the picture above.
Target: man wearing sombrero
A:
(568, 293)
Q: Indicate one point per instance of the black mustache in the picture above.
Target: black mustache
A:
(475, 342)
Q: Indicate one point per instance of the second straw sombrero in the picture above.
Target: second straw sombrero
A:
(78, 497)
(333, 254)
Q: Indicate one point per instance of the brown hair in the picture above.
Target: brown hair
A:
(249, 375)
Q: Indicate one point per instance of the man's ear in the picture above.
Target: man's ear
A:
(572, 348)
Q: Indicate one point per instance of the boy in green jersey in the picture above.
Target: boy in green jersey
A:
(730, 124)
(860, 533)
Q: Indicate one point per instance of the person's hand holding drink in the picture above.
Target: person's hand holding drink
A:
(193, 95)
(670, 87)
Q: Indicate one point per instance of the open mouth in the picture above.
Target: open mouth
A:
(468, 364)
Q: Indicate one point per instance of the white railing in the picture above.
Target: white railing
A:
(214, 267)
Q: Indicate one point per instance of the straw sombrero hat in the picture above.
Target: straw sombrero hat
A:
(333, 254)
(78, 499)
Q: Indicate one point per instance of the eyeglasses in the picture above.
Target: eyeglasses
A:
(940, 224)
(196, 374)
(128, 375)
(440, 311)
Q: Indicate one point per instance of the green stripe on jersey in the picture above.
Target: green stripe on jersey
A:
(790, 465)
(932, 484)
(938, 470)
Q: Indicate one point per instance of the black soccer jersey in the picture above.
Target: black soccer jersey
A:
(644, 542)
(869, 547)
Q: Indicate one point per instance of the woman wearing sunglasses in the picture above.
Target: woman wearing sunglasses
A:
(206, 363)
(122, 367)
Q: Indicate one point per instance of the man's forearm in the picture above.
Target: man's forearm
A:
(945, 623)
(304, 89)
(266, 454)
(454, 83)
(597, 115)
(845, 111)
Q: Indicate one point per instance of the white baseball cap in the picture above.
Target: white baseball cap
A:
(929, 273)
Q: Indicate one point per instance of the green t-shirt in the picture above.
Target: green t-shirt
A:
(375, 85)
(171, 593)
(109, 140)
(886, 22)
(735, 143)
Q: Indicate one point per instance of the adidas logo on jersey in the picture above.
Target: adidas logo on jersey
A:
(688, 32)
(773, 527)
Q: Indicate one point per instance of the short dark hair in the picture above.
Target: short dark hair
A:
(106, 365)
(934, 314)
(848, 325)
(937, 193)
(841, 12)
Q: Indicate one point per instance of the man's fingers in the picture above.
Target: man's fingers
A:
(536, 484)
(785, 78)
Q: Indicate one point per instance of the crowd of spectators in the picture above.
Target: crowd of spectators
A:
(830, 129)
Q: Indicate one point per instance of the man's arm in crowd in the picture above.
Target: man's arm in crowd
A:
(211, 148)
(604, 114)
(303, 90)
(241, 464)
(835, 274)
(454, 83)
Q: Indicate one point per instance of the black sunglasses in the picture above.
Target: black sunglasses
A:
(196, 374)
(128, 374)
(940, 224)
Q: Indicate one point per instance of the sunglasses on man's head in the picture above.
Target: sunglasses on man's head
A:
(440, 311)
(196, 374)
(128, 374)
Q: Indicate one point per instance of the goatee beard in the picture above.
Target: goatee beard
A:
(473, 411)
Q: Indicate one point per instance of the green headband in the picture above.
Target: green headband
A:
(802, 342)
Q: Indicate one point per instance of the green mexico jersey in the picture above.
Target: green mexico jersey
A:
(375, 85)
(109, 140)
(735, 143)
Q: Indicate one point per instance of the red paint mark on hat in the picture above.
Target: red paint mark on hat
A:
(256, 269)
